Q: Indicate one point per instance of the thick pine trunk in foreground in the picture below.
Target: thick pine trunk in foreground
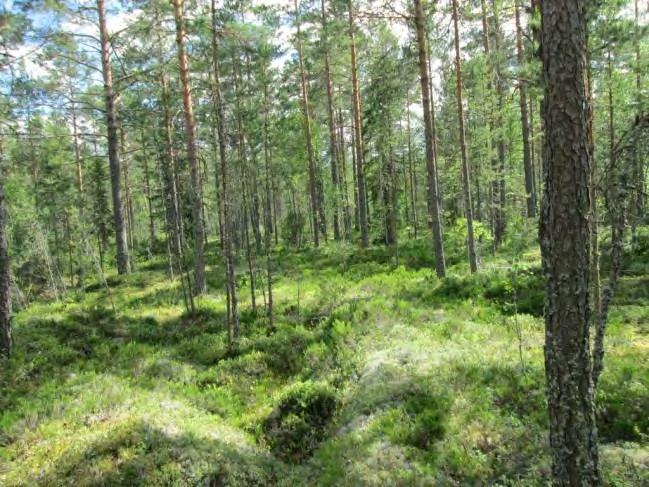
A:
(113, 147)
(192, 158)
(565, 242)
(431, 165)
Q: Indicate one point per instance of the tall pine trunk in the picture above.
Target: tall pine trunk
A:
(499, 183)
(6, 341)
(268, 217)
(431, 165)
(113, 143)
(192, 158)
(333, 144)
(495, 210)
(530, 193)
(565, 243)
(358, 133)
(231, 287)
(466, 175)
(313, 183)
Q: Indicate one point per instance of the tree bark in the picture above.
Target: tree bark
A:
(113, 147)
(530, 195)
(192, 159)
(231, 288)
(333, 144)
(639, 165)
(358, 132)
(495, 211)
(466, 176)
(268, 218)
(565, 235)
(6, 341)
(77, 150)
(342, 175)
(431, 165)
(391, 199)
(147, 189)
(313, 184)
(412, 174)
(499, 184)
(128, 197)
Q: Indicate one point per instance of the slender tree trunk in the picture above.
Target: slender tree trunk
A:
(342, 174)
(6, 341)
(255, 213)
(147, 188)
(535, 183)
(433, 122)
(495, 209)
(412, 175)
(466, 177)
(77, 151)
(565, 244)
(231, 288)
(128, 196)
(192, 159)
(358, 132)
(268, 223)
(602, 304)
(433, 199)
(173, 205)
(499, 184)
(333, 145)
(244, 177)
(639, 176)
(78, 161)
(391, 199)
(357, 206)
(249, 254)
(313, 184)
(530, 195)
(618, 224)
(596, 295)
(113, 150)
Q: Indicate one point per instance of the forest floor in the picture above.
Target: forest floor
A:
(377, 373)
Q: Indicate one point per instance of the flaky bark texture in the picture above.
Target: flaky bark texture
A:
(565, 242)
(113, 147)
(431, 165)
(5, 295)
(192, 159)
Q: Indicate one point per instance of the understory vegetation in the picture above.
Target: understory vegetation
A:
(375, 373)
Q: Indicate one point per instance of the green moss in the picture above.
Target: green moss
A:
(383, 375)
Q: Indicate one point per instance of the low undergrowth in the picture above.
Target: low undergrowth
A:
(376, 373)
